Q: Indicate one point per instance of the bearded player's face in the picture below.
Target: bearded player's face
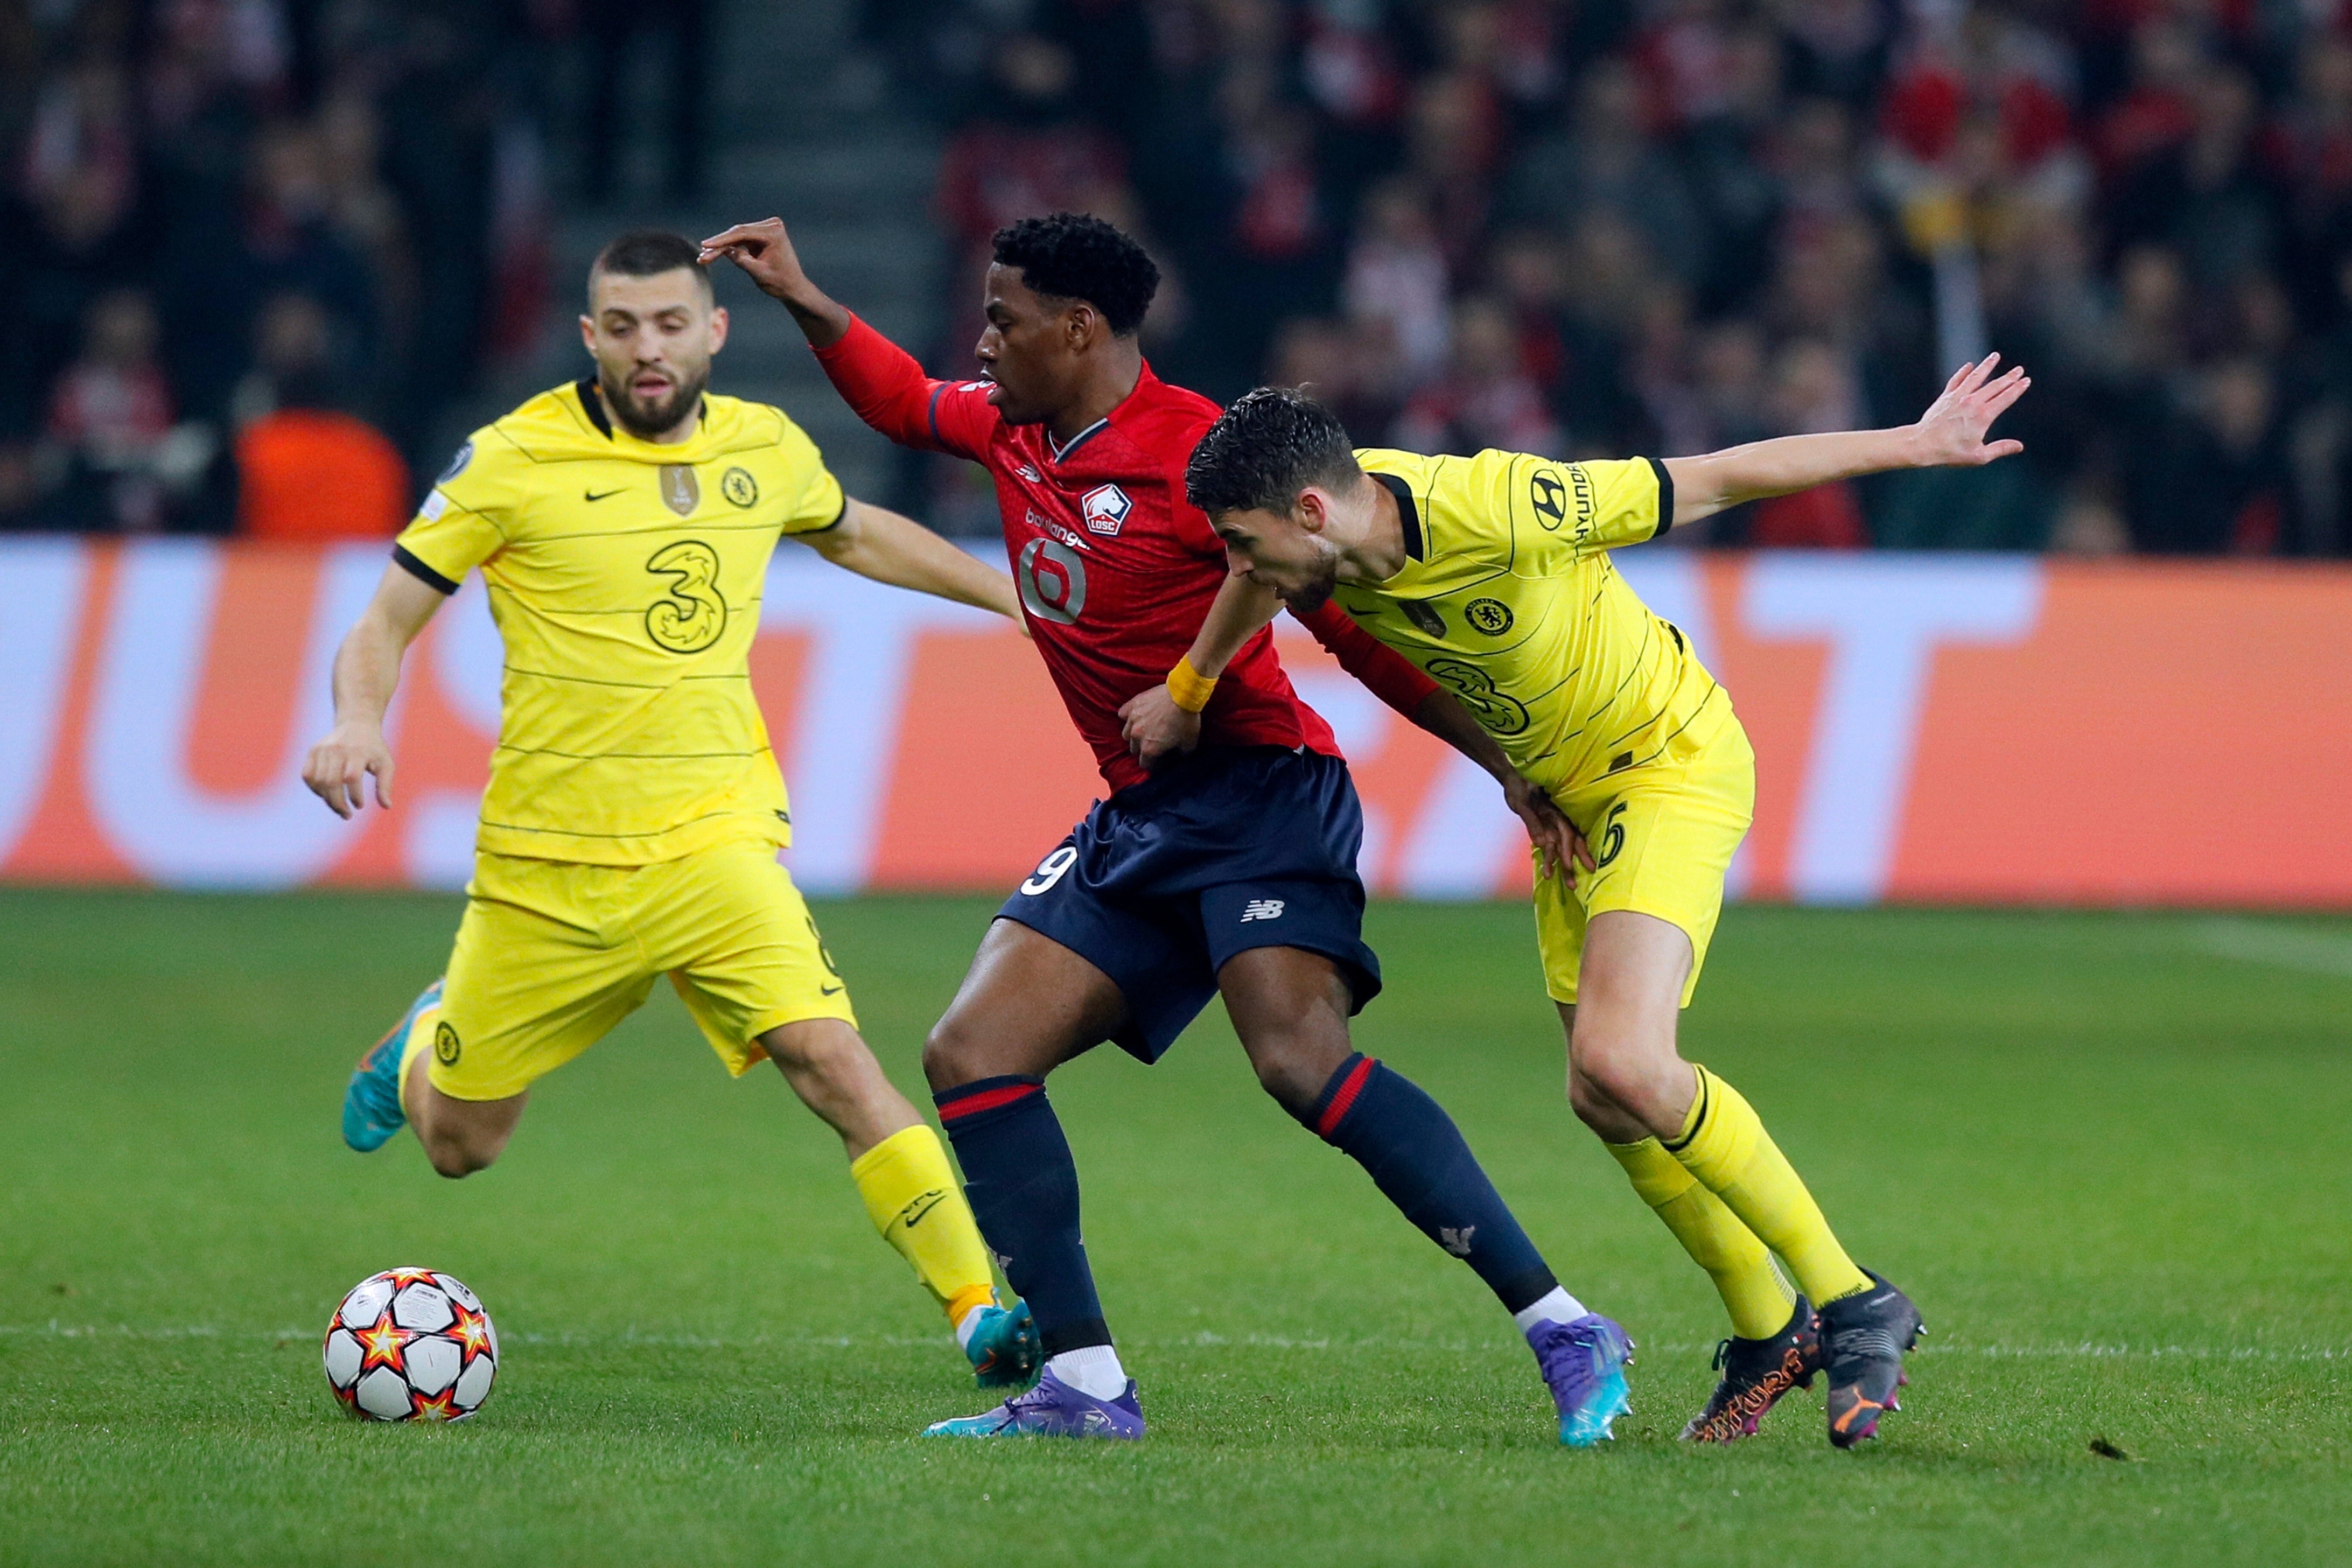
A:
(1031, 351)
(653, 339)
(1280, 552)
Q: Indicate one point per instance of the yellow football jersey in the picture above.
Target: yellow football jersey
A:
(625, 579)
(1508, 599)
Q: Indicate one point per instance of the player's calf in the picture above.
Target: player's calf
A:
(830, 1067)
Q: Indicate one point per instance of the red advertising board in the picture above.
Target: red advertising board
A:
(1928, 728)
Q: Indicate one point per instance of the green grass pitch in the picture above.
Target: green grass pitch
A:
(2107, 1153)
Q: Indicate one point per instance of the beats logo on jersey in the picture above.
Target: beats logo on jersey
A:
(1106, 507)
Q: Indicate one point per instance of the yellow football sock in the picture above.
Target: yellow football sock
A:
(1739, 1263)
(1724, 1145)
(420, 1034)
(912, 1198)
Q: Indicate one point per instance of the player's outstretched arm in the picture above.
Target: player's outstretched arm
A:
(367, 672)
(765, 251)
(1951, 434)
(882, 383)
(899, 550)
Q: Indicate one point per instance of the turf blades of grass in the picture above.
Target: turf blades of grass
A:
(2103, 1152)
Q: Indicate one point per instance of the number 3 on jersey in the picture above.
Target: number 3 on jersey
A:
(691, 611)
(1503, 714)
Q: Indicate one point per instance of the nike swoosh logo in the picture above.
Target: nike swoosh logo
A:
(912, 1214)
(599, 495)
(828, 990)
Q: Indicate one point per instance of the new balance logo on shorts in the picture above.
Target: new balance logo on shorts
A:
(1262, 910)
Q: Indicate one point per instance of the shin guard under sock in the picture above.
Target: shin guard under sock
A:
(1737, 1263)
(1024, 1190)
(1724, 1145)
(1417, 1158)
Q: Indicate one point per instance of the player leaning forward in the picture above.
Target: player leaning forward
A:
(623, 526)
(1492, 573)
(1232, 874)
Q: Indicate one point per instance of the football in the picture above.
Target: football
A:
(411, 1344)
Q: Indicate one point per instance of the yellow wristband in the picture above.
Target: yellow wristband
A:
(1188, 687)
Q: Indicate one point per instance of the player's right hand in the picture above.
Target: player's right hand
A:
(337, 768)
(1559, 848)
(1157, 730)
(765, 251)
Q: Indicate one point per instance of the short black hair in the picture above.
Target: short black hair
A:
(648, 253)
(1269, 446)
(1076, 256)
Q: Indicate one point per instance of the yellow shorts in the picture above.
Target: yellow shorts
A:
(550, 955)
(1663, 836)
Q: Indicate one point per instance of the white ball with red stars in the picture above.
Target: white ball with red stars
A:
(411, 1344)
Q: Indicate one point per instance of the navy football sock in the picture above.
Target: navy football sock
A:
(1416, 1156)
(1024, 1190)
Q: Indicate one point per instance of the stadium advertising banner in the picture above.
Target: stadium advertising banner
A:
(1928, 728)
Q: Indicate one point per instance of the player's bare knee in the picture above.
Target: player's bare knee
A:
(456, 1156)
(1294, 1048)
(950, 1055)
(1592, 1107)
(825, 1048)
(1292, 1067)
(1607, 1067)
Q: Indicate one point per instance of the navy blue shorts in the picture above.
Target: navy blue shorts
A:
(1215, 854)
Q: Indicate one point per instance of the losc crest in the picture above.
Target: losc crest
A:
(1104, 507)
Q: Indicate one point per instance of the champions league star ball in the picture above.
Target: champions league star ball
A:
(411, 1344)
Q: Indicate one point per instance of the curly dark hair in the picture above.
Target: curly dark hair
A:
(1269, 446)
(1076, 256)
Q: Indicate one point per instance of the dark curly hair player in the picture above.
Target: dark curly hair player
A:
(1231, 870)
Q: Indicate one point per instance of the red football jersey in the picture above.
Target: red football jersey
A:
(1116, 569)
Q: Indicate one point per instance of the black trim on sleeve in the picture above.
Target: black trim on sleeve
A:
(937, 392)
(1408, 512)
(592, 404)
(421, 571)
(829, 527)
(1665, 497)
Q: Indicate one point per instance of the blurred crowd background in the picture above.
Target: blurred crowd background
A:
(259, 250)
(1608, 226)
(255, 248)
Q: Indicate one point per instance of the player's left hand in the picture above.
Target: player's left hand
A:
(1156, 728)
(1559, 848)
(1952, 432)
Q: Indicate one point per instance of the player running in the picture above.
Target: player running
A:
(1492, 573)
(623, 526)
(1232, 871)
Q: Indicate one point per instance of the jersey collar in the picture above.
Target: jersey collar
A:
(1407, 512)
(1057, 452)
(1144, 379)
(591, 403)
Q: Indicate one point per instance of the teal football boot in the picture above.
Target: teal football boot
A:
(1003, 1347)
(371, 1112)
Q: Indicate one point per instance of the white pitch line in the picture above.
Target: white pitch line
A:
(2086, 1351)
(2279, 946)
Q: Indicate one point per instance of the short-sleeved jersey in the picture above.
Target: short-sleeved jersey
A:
(1508, 598)
(625, 580)
(1116, 570)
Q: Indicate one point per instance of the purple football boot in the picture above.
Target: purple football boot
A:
(1052, 1409)
(1584, 1362)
